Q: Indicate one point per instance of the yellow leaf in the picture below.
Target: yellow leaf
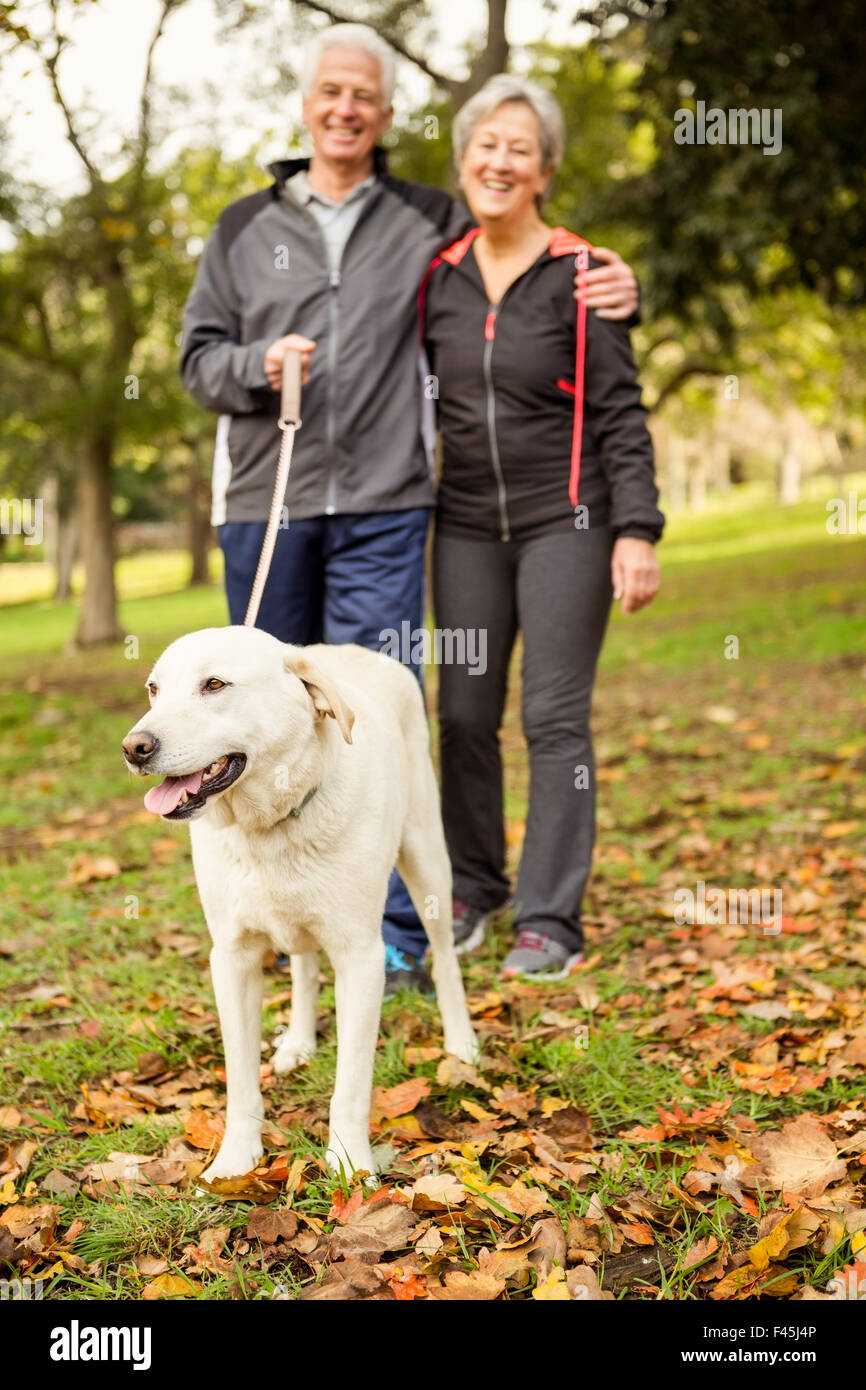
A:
(551, 1104)
(8, 1195)
(472, 1152)
(772, 1244)
(170, 1286)
(837, 828)
(858, 1242)
(758, 741)
(477, 1111)
(554, 1288)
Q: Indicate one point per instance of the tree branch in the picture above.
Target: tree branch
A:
(144, 110)
(49, 61)
(681, 375)
(447, 83)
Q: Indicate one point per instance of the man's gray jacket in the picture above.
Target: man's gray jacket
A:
(264, 273)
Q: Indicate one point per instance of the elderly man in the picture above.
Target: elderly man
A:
(329, 260)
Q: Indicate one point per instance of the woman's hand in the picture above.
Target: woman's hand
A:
(277, 351)
(611, 289)
(634, 573)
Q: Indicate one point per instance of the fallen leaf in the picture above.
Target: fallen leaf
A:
(372, 1231)
(800, 1158)
(88, 868)
(399, 1100)
(554, 1288)
(474, 1286)
(203, 1129)
(170, 1286)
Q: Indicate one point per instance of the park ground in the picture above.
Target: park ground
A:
(682, 1118)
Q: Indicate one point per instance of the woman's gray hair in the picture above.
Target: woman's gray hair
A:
(350, 36)
(504, 87)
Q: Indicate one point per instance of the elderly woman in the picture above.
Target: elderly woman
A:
(546, 510)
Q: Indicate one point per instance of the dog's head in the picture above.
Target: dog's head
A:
(230, 706)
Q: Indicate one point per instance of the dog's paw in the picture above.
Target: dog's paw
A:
(234, 1160)
(466, 1048)
(361, 1160)
(290, 1054)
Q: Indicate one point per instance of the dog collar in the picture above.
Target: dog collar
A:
(296, 810)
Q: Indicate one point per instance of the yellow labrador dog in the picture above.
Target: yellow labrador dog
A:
(305, 775)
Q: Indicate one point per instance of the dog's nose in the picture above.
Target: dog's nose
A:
(139, 746)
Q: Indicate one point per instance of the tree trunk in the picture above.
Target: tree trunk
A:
(677, 469)
(49, 492)
(198, 521)
(97, 618)
(67, 552)
(721, 464)
(61, 533)
(790, 469)
(698, 479)
(492, 59)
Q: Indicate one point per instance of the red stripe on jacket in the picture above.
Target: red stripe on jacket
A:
(562, 243)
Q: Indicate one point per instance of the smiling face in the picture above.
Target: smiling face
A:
(236, 718)
(345, 111)
(501, 171)
(218, 698)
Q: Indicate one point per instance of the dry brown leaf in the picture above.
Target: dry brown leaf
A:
(348, 1279)
(547, 1247)
(799, 1158)
(452, 1072)
(700, 1251)
(372, 1231)
(88, 868)
(584, 1287)
(269, 1225)
(475, 1286)
(437, 1192)
(583, 1239)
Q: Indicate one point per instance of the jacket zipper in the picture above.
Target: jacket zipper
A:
(334, 280)
(487, 366)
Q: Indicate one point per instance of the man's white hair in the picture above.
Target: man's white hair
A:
(351, 36)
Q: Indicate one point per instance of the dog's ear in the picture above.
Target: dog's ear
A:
(322, 691)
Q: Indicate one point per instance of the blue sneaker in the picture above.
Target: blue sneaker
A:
(403, 971)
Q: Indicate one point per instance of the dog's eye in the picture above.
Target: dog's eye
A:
(214, 684)
(151, 689)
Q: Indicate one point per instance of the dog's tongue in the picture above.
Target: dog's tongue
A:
(164, 798)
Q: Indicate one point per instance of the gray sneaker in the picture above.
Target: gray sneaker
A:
(539, 956)
(469, 926)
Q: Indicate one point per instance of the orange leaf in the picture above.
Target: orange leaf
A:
(204, 1130)
(639, 1232)
(400, 1100)
(342, 1207)
(409, 1287)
